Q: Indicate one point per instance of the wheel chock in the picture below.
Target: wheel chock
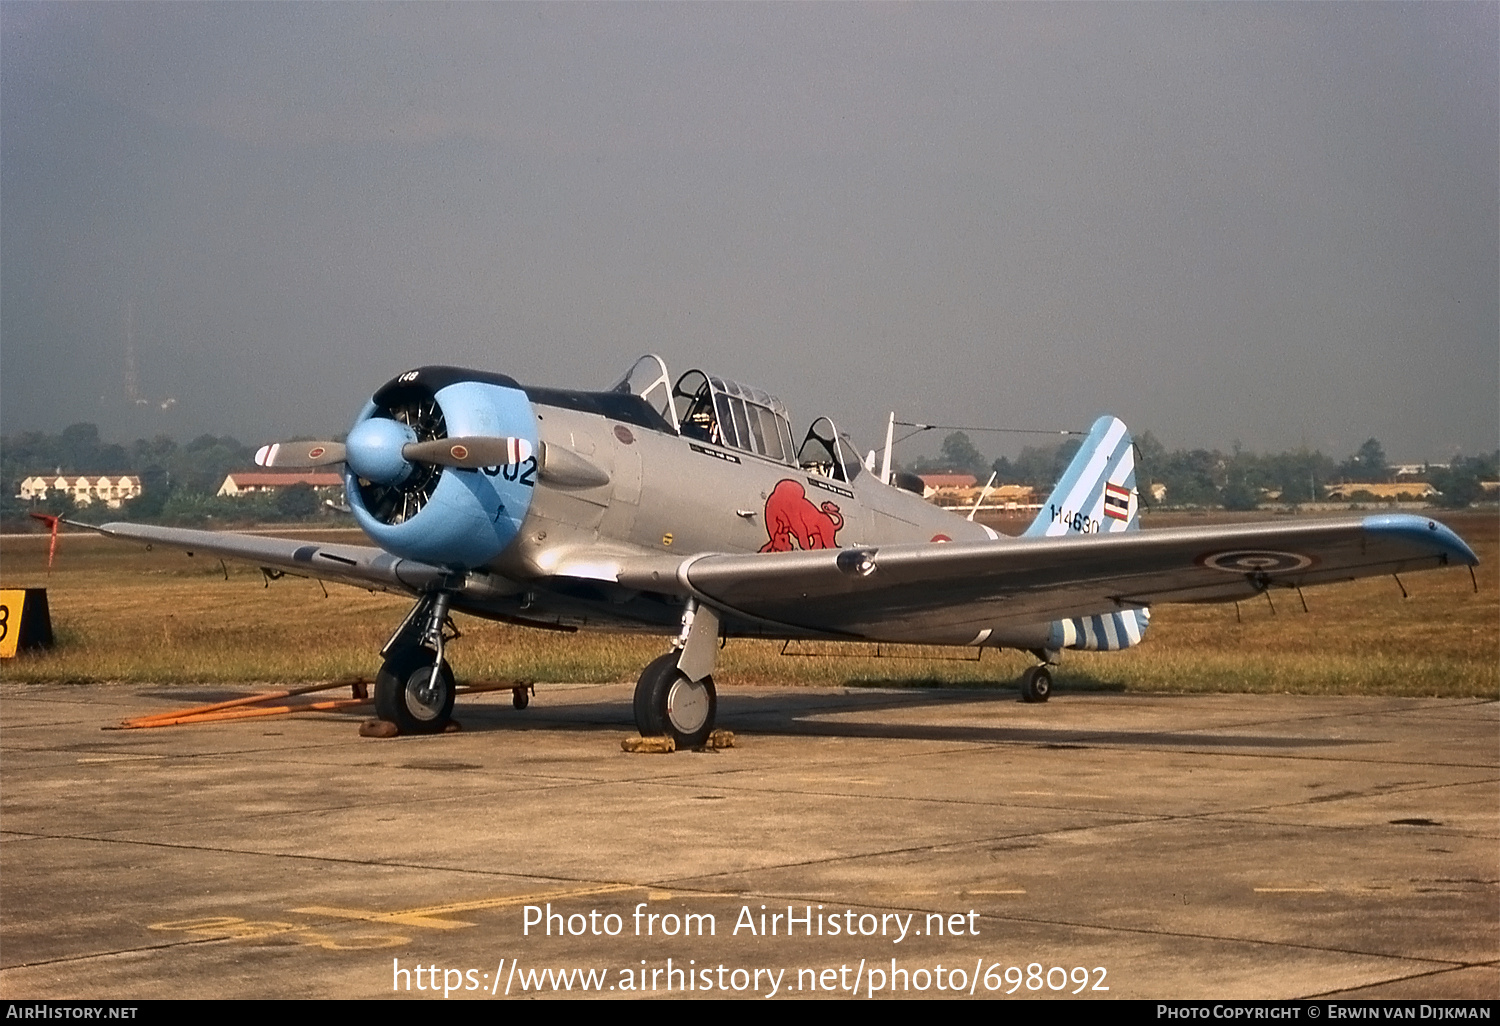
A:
(718, 740)
(649, 745)
(378, 728)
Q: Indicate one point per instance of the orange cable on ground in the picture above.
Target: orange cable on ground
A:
(238, 708)
(169, 720)
(199, 710)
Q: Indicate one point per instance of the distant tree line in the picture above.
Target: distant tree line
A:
(179, 483)
(1207, 478)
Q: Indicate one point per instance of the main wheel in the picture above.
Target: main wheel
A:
(1036, 684)
(666, 702)
(406, 695)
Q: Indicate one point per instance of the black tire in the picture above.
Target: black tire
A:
(667, 703)
(402, 693)
(647, 718)
(1036, 684)
(520, 697)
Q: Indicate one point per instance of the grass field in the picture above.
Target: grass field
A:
(122, 613)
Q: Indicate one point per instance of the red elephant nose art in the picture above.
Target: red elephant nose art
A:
(790, 514)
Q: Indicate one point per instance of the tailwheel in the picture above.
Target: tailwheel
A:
(667, 703)
(1036, 684)
(410, 695)
(520, 697)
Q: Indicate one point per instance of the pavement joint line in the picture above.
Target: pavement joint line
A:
(847, 858)
(428, 867)
(1093, 742)
(337, 860)
(1128, 816)
(1122, 817)
(1413, 788)
(1226, 939)
(1335, 827)
(1393, 709)
(915, 849)
(1119, 818)
(1295, 758)
(935, 801)
(1284, 806)
(1400, 979)
(1032, 835)
(64, 959)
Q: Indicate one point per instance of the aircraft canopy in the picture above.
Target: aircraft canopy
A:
(714, 409)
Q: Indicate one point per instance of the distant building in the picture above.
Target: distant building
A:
(1416, 469)
(998, 497)
(251, 482)
(85, 489)
(1012, 497)
(1409, 491)
(945, 484)
(949, 480)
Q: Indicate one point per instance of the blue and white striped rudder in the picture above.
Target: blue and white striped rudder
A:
(1097, 493)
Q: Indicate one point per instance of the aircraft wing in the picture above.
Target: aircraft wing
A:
(360, 565)
(889, 591)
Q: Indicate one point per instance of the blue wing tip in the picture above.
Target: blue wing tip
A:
(1425, 531)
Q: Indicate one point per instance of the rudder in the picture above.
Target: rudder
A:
(1097, 493)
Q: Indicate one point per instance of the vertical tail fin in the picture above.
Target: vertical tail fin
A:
(1097, 493)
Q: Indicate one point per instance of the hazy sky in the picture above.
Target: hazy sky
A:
(1272, 223)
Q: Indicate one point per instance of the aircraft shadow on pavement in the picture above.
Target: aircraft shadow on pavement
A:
(811, 715)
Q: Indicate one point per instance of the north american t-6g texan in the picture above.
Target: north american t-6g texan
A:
(687, 508)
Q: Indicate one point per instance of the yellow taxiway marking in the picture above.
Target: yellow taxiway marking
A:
(426, 916)
(655, 895)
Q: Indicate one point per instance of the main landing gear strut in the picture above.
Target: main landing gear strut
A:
(675, 695)
(414, 688)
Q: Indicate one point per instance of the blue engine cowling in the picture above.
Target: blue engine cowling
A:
(449, 517)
